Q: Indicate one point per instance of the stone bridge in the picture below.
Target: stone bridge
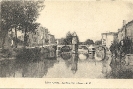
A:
(60, 46)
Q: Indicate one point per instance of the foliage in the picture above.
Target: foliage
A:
(98, 42)
(20, 15)
(89, 42)
(11, 16)
(62, 41)
(119, 50)
(124, 46)
(68, 39)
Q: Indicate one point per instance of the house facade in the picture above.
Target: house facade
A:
(51, 39)
(108, 38)
(126, 31)
(39, 38)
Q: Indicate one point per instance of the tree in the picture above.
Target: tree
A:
(89, 42)
(98, 42)
(5, 20)
(30, 13)
(11, 17)
(68, 39)
(20, 15)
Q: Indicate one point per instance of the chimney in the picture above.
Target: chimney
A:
(124, 22)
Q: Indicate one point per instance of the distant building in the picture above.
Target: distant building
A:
(120, 35)
(126, 31)
(60, 41)
(129, 30)
(108, 38)
(39, 38)
(122, 32)
(8, 39)
(33, 40)
(21, 37)
(74, 38)
(51, 39)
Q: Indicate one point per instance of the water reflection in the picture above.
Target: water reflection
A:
(9, 68)
(83, 56)
(74, 63)
(66, 55)
(52, 68)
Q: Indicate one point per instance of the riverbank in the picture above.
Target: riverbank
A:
(121, 68)
(116, 67)
(27, 53)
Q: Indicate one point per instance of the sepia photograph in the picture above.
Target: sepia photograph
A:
(66, 39)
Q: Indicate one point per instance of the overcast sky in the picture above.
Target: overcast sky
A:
(87, 18)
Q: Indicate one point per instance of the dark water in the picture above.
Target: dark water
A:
(54, 68)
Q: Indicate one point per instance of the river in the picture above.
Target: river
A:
(54, 68)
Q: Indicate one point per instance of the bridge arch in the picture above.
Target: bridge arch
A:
(103, 50)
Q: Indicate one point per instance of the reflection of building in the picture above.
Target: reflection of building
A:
(74, 65)
(108, 38)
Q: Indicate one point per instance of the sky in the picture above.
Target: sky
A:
(87, 18)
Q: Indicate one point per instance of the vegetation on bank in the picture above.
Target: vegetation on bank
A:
(28, 55)
(119, 50)
(19, 16)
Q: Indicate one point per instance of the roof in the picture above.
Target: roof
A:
(131, 22)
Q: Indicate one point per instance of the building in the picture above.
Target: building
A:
(39, 38)
(42, 35)
(33, 40)
(75, 39)
(7, 39)
(108, 38)
(129, 30)
(119, 36)
(51, 39)
(60, 41)
(126, 31)
(122, 32)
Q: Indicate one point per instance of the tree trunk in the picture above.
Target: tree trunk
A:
(3, 38)
(3, 42)
(25, 37)
(16, 41)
